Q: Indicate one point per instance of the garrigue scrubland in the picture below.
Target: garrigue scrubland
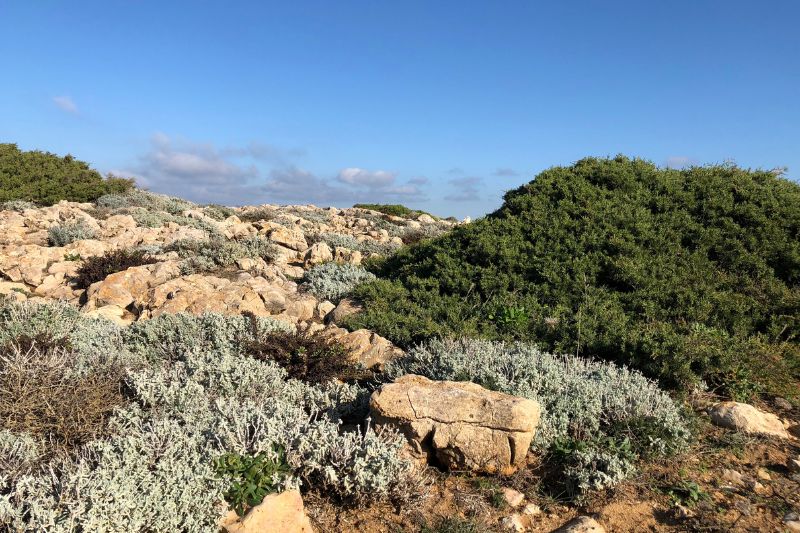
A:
(168, 366)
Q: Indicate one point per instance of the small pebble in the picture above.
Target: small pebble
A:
(532, 510)
(513, 498)
(783, 403)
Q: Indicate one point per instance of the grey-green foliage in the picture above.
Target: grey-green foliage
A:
(16, 205)
(147, 200)
(63, 234)
(218, 252)
(96, 341)
(195, 396)
(218, 212)
(365, 246)
(578, 397)
(157, 219)
(169, 336)
(333, 281)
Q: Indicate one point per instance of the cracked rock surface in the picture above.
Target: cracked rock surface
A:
(458, 425)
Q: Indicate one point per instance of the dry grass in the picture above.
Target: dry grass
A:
(39, 396)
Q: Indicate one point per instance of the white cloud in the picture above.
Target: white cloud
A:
(366, 178)
(66, 104)
(351, 185)
(235, 175)
(464, 189)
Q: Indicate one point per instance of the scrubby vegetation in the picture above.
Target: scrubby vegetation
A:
(397, 210)
(198, 409)
(63, 234)
(218, 252)
(99, 267)
(597, 418)
(687, 275)
(45, 178)
(365, 246)
(333, 281)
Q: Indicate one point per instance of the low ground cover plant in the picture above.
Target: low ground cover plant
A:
(63, 234)
(397, 210)
(45, 178)
(333, 281)
(218, 252)
(597, 420)
(365, 246)
(99, 267)
(687, 275)
(202, 422)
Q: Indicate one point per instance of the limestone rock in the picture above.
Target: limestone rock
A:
(290, 238)
(122, 288)
(792, 521)
(512, 497)
(319, 252)
(364, 346)
(459, 425)
(747, 419)
(277, 513)
(581, 524)
(345, 308)
(513, 523)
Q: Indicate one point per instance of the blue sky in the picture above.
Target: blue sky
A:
(437, 105)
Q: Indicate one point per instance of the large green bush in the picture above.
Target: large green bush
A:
(686, 275)
(46, 178)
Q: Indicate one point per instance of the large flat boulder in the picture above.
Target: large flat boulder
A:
(458, 425)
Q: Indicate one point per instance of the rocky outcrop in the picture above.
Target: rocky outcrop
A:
(363, 346)
(747, 419)
(277, 513)
(343, 309)
(458, 425)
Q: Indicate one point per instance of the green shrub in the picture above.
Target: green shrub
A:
(63, 234)
(46, 178)
(686, 275)
(99, 267)
(333, 281)
(251, 477)
(396, 210)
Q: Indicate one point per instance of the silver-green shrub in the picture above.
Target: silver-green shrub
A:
(170, 336)
(16, 205)
(196, 397)
(148, 200)
(63, 234)
(157, 219)
(578, 397)
(219, 252)
(366, 246)
(97, 342)
(334, 281)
